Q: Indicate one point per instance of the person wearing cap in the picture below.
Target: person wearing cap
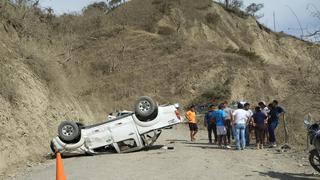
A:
(191, 116)
(210, 124)
(264, 107)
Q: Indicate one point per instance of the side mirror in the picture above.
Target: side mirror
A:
(307, 119)
(306, 122)
(177, 105)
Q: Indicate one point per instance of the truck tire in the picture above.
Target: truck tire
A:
(146, 109)
(68, 131)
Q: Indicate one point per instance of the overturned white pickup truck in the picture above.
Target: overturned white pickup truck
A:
(127, 133)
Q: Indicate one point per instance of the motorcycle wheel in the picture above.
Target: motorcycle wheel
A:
(314, 159)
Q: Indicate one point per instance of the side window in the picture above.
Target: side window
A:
(127, 144)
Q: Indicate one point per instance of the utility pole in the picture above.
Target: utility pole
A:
(274, 21)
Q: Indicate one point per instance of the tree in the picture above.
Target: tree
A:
(115, 3)
(253, 8)
(97, 6)
(236, 4)
(233, 4)
(227, 3)
(314, 34)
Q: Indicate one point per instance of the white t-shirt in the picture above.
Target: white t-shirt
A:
(228, 112)
(241, 116)
(250, 113)
(265, 110)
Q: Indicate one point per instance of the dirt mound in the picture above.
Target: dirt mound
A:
(83, 66)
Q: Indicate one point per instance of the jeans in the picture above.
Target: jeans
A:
(212, 128)
(229, 131)
(240, 136)
(233, 127)
(247, 133)
(271, 128)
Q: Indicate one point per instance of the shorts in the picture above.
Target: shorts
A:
(221, 130)
(193, 127)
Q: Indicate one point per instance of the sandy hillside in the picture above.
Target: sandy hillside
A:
(82, 67)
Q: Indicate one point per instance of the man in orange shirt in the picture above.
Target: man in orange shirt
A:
(191, 116)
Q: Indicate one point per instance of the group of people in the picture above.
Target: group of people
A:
(226, 124)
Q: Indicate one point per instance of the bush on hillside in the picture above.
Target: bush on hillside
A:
(252, 55)
(28, 20)
(213, 18)
(218, 93)
(100, 7)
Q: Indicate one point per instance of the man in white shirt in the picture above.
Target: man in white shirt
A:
(264, 108)
(266, 111)
(240, 117)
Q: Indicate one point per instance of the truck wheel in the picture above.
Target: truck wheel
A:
(68, 131)
(146, 109)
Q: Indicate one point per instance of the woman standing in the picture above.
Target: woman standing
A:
(259, 122)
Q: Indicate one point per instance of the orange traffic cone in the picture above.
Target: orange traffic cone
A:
(59, 168)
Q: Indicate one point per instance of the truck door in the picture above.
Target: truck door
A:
(125, 134)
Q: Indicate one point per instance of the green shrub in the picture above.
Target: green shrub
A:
(252, 55)
(213, 18)
(219, 93)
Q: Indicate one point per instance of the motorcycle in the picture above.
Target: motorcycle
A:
(313, 130)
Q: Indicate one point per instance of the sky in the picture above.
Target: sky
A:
(285, 19)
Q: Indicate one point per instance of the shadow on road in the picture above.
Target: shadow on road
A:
(288, 176)
(213, 146)
(196, 143)
(205, 147)
(176, 140)
(153, 147)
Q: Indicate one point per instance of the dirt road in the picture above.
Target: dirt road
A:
(187, 161)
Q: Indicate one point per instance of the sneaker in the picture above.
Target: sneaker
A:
(228, 147)
(272, 145)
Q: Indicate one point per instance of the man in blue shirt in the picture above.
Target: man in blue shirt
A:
(219, 117)
(274, 115)
(210, 125)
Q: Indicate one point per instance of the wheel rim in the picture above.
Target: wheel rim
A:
(144, 106)
(316, 161)
(67, 130)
